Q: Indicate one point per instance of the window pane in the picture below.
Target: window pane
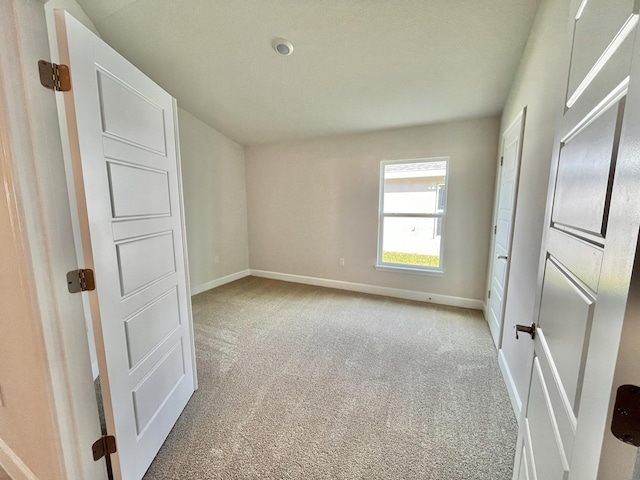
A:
(412, 241)
(414, 187)
(410, 191)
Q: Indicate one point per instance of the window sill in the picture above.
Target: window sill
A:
(410, 270)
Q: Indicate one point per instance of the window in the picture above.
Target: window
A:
(413, 199)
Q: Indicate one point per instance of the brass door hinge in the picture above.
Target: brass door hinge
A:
(81, 280)
(54, 76)
(105, 445)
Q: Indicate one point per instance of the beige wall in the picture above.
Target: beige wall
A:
(74, 9)
(26, 425)
(539, 85)
(28, 430)
(213, 175)
(313, 202)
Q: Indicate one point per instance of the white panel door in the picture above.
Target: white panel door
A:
(590, 243)
(503, 229)
(127, 182)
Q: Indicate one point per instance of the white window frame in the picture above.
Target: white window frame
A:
(401, 267)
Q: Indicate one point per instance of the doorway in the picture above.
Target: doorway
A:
(505, 210)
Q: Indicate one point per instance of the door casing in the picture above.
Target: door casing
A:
(44, 223)
(519, 123)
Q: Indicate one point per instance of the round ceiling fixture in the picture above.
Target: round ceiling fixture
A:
(282, 46)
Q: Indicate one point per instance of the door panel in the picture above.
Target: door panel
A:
(582, 194)
(151, 392)
(127, 179)
(146, 328)
(527, 470)
(599, 24)
(614, 72)
(548, 452)
(565, 316)
(502, 236)
(524, 467)
(123, 109)
(496, 303)
(563, 414)
(138, 191)
(145, 260)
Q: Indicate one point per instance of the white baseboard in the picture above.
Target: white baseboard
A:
(203, 287)
(373, 289)
(13, 465)
(516, 402)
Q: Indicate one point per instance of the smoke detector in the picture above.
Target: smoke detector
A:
(282, 46)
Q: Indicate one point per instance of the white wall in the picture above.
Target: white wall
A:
(313, 202)
(539, 85)
(213, 175)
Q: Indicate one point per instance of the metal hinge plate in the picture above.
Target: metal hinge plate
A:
(495, 229)
(54, 76)
(81, 280)
(489, 294)
(501, 160)
(105, 445)
(625, 423)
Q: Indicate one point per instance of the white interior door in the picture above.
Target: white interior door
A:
(587, 258)
(503, 229)
(127, 182)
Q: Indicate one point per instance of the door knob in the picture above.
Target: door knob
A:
(523, 328)
(502, 257)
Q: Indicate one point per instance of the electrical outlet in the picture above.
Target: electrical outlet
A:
(341, 262)
(216, 259)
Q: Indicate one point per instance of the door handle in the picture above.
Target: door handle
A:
(523, 328)
(502, 257)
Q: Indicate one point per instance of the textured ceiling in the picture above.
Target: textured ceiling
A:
(357, 65)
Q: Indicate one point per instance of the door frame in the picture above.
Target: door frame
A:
(521, 119)
(44, 224)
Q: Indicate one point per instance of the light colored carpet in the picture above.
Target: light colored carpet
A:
(301, 382)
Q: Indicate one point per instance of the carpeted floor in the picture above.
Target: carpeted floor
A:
(301, 382)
